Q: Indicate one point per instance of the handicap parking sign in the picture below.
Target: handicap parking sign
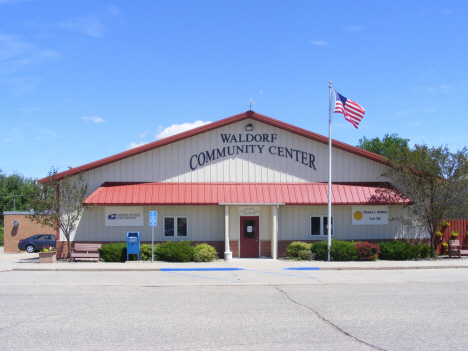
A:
(153, 218)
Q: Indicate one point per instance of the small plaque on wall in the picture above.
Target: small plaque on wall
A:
(249, 211)
(370, 215)
(123, 216)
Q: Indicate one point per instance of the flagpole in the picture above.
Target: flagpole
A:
(329, 223)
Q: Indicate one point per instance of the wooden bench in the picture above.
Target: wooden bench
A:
(85, 251)
(455, 248)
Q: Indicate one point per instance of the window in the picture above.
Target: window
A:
(175, 227)
(318, 225)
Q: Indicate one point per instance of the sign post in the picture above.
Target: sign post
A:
(153, 218)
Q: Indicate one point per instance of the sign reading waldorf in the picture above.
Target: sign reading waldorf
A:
(124, 216)
(259, 144)
(370, 215)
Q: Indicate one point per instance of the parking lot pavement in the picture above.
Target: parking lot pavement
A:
(249, 309)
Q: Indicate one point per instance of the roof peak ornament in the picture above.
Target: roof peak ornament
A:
(250, 102)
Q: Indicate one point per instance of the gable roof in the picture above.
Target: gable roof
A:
(214, 125)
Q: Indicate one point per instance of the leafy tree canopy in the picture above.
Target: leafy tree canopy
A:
(435, 179)
(385, 146)
(58, 203)
(15, 190)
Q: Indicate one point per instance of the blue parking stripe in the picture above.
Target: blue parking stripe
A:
(199, 269)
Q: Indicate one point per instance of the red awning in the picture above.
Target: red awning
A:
(145, 194)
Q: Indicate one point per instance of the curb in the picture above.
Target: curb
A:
(222, 269)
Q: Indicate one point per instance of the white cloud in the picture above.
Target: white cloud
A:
(114, 11)
(319, 42)
(27, 110)
(16, 54)
(440, 89)
(94, 119)
(20, 85)
(46, 135)
(90, 25)
(354, 28)
(12, 1)
(142, 135)
(178, 128)
(261, 92)
(133, 145)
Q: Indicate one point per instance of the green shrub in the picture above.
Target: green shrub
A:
(343, 251)
(299, 250)
(397, 251)
(320, 249)
(367, 251)
(423, 250)
(145, 252)
(1, 236)
(204, 253)
(305, 255)
(116, 252)
(178, 251)
(339, 251)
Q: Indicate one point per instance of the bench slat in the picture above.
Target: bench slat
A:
(84, 255)
(85, 251)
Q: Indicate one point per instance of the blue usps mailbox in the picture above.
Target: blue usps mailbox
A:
(133, 244)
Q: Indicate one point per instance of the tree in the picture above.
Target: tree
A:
(14, 192)
(58, 203)
(435, 179)
(385, 146)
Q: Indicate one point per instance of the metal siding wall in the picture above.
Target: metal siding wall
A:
(205, 223)
(170, 163)
(294, 225)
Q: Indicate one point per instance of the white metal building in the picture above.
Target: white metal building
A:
(248, 185)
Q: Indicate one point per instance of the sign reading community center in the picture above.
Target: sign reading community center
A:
(370, 215)
(259, 144)
(124, 216)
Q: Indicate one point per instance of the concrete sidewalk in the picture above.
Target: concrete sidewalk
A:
(30, 262)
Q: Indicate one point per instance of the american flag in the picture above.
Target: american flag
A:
(352, 112)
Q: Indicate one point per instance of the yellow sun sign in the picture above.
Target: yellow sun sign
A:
(358, 215)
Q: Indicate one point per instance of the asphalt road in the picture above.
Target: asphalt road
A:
(244, 310)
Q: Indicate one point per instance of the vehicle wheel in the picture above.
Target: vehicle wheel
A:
(30, 249)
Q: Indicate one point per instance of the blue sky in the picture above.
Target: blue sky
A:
(83, 80)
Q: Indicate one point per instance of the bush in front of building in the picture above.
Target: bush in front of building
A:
(423, 250)
(299, 251)
(401, 251)
(339, 251)
(116, 252)
(174, 251)
(320, 249)
(367, 251)
(145, 252)
(204, 253)
(1, 236)
(343, 251)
